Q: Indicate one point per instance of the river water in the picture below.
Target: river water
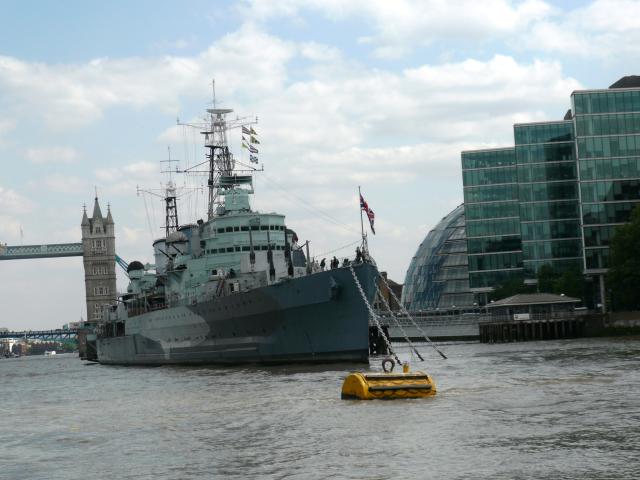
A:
(549, 410)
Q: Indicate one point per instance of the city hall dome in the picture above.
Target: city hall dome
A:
(438, 275)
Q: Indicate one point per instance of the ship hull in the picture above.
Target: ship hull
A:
(316, 318)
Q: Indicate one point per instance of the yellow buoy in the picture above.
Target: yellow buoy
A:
(367, 386)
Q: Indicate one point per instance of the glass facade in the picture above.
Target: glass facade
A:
(438, 275)
(608, 153)
(548, 193)
(490, 179)
(554, 198)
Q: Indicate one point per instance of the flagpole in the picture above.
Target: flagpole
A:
(361, 224)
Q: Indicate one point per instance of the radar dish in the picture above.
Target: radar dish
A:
(219, 111)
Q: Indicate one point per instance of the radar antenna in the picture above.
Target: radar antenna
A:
(171, 207)
(221, 163)
(169, 194)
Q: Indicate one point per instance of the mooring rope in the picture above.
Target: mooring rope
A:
(404, 333)
(373, 314)
(415, 324)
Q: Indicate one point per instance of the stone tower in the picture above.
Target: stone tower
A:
(99, 245)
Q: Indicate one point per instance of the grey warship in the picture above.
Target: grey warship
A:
(236, 288)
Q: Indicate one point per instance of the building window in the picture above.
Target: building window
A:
(100, 269)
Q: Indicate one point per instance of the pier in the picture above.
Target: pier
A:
(442, 327)
(530, 330)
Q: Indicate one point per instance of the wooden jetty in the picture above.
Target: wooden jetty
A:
(530, 330)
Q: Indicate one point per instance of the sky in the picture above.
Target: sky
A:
(371, 93)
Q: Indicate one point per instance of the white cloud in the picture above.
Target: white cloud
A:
(5, 127)
(380, 126)
(12, 206)
(402, 25)
(178, 44)
(14, 203)
(64, 184)
(345, 122)
(605, 29)
(77, 94)
(51, 155)
(9, 229)
(137, 170)
(601, 28)
(340, 108)
(132, 236)
(126, 179)
(141, 168)
(318, 52)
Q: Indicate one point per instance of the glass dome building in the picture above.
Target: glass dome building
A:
(438, 275)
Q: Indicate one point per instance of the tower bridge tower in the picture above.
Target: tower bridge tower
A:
(99, 246)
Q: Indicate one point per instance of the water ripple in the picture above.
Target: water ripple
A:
(561, 409)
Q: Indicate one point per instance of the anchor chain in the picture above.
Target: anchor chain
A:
(395, 319)
(373, 315)
(415, 324)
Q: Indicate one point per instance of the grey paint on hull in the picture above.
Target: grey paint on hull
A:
(316, 318)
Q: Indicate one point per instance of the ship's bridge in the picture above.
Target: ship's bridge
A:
(237, 233)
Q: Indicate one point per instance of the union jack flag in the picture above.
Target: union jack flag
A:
(370, 215)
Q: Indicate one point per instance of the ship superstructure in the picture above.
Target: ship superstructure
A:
(236, 286)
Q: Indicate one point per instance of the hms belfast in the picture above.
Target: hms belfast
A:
(236, 288)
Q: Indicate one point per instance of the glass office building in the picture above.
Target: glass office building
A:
(438, 277)
(608, 141)
(490, 179)
(556, 197)
(548, 196)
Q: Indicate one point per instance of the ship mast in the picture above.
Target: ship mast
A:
(171, 207)
(168, 194)
(221, 172)
(221, 161)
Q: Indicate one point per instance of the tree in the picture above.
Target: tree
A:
(547, 277)
(571, 282)
(624, 265)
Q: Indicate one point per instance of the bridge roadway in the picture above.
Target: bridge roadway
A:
(58, 334)
(15, 252)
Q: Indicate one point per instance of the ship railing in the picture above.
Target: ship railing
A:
(342, 262)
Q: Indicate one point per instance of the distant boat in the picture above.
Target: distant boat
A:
(49, 353)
